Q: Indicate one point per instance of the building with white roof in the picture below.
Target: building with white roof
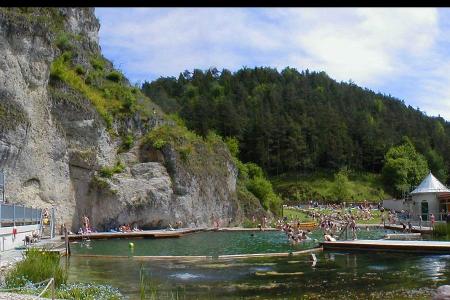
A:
(430, 197)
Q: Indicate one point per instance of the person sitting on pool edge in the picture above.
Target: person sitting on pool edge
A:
(328, 238)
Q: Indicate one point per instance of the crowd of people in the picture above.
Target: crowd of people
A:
(332, 219)
(340, 213)
(87, 228)
(293, 232)
(127, 228)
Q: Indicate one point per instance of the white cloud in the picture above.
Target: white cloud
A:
(366, 45)
(375, 47)
(434, 94)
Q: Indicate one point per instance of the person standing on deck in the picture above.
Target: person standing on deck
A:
(420, 221)
(432, 219)
(85, 221)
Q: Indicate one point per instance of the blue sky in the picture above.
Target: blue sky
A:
(404, 52)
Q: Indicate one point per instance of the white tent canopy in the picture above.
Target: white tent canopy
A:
(430, 185)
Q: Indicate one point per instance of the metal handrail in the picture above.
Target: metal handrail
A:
(41, 224)
(345, 229)
(52, 224)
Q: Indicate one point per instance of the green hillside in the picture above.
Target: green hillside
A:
(322, 186)
(293, 122)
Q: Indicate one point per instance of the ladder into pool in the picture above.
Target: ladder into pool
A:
(47, 231)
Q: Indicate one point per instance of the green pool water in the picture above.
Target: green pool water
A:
(335, 276)
(208, 243)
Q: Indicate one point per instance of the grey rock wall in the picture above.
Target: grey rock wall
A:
(33, 151)
(53, 142)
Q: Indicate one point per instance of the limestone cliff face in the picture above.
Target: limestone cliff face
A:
(32, 147)
(53, 141)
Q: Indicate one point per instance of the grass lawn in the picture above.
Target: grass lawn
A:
(376, 218)
(320, 186)
(296, 214)
(303, 217)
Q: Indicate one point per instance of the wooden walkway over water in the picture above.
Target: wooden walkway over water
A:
(415, 229)
(389, 245)
(155, 234)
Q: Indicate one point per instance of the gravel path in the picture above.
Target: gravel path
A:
(11, 296)
(10, 257)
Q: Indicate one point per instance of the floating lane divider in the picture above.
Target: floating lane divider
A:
(200, 257)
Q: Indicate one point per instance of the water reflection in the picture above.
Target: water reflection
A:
(436, 267)
(335, 276)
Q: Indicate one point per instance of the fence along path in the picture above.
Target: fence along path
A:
(50, 283)
(15, 215)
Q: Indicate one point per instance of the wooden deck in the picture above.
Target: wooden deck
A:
(389, 245)
(403, 236)
(415, 229)
(155, 234)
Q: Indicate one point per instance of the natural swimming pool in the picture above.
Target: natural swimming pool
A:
(209, 243)
(336, 275)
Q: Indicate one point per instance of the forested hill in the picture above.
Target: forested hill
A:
(292, 121)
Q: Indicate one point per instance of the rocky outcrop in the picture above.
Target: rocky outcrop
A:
(53, 141)
(152, 195)
(442, 293)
